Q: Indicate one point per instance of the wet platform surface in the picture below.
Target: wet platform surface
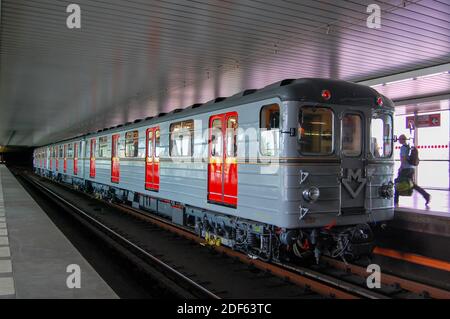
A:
(35, 255)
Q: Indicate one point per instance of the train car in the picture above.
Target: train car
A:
(300, 167)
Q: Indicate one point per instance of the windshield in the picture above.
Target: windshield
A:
(381, 135)
(352, 135)
(315, 130)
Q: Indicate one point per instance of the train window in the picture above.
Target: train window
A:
(381, 135)
(150, 143)
(70, 151)
(93, 148)
(131, 144)
(216, 138)
(103, 147)
(231, 136)
(157, 142)
(269, 125)
(181, 138)
(352, 135)
(315, 130)
(60, 151)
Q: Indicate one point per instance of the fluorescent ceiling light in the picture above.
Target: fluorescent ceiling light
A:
(400, 81)
(431, 75)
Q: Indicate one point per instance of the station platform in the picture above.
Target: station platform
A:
(413, 215)
(34, 254)
(439, 203)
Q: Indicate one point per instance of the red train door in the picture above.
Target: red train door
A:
(115, 166)
(92, 158)
(65, 159)
(51, 157)
(75, 158)
(152, 159)
(222, 167)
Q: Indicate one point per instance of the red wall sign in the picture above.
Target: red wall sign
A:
(428, 120)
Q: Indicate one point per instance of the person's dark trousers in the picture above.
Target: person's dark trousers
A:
(421, 191)
(396, 197)
(409, 173)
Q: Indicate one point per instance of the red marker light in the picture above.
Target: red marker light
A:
(326, 95)
(380, 101)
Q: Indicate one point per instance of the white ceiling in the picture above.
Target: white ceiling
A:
(133, 59)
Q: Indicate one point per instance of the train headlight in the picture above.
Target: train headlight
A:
(311, 194)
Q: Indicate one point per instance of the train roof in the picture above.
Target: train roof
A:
(303, 90)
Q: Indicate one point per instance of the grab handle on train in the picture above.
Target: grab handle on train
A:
(291, 131)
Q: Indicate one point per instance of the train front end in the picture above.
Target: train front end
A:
(344, 171)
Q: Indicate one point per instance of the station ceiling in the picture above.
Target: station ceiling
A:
(137, 58)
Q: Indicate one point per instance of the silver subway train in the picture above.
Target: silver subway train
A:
(298, 168)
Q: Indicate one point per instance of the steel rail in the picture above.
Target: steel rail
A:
(388, 279)
(409, 285)
(321, 283)
(316, 283)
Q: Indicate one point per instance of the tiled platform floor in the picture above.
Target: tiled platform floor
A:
(35, 254)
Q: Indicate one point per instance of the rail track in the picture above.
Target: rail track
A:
(320, 283)
(331, 279)
(198, 281)
(335, 273)
(190, 287)
(391, 285)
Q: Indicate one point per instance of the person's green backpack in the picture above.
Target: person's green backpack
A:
(404, 187)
